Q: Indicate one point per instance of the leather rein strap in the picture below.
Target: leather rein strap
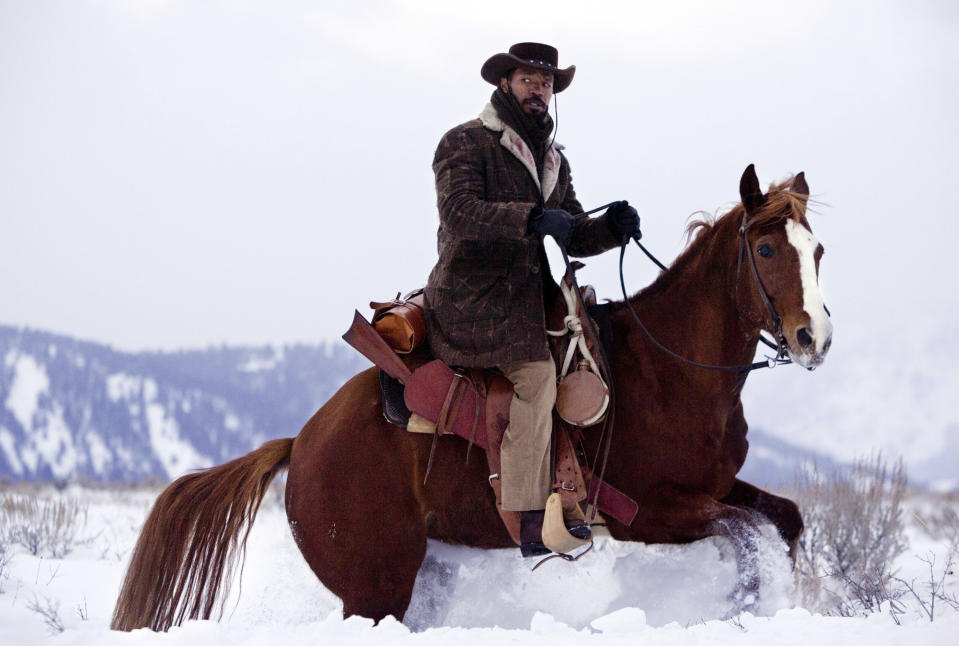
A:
(775, 319)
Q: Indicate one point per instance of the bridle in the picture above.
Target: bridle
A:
(780, 346)
(774, 318)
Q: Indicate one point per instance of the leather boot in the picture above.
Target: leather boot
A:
(578, 528)
(531, 533)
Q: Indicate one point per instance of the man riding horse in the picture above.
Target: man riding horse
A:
(502, 185)
(680, 426)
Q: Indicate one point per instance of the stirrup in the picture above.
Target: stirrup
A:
(555, 535)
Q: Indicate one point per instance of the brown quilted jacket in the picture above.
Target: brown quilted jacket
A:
(484, 297)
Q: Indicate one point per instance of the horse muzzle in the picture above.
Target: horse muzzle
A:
(807, 346)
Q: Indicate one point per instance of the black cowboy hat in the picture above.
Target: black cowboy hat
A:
(535, 55)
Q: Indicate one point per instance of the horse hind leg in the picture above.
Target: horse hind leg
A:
(368, 554)
(353, 510)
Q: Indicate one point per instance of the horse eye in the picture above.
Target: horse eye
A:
(766, 251)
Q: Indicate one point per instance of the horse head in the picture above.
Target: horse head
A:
(783, 256)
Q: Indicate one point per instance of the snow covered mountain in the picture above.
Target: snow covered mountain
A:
(77, 411)
(72, 410)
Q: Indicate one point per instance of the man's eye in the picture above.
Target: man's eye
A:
(547, 84)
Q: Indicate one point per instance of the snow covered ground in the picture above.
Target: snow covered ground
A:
(618, 593)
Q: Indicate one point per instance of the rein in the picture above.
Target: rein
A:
(774, 346)
(771, 362)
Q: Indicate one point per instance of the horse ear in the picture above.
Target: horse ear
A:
(750, 192)
(800, 187)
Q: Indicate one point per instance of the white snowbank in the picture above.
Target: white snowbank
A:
(617, 594)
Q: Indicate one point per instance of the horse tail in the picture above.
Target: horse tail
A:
(192, 539)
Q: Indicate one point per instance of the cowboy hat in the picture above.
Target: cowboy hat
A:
(535, 55)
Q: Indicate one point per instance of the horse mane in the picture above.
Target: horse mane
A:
(780, 204)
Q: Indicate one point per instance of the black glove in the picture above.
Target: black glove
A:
(551, 222)
(623, 220)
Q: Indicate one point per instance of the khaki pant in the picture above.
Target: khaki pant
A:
(525, 458)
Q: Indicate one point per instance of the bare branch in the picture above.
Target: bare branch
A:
(49, 610)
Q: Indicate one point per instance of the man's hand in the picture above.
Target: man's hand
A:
(551, 222)
(623, 220)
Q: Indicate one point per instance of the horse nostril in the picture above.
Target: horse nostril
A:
(802, 335)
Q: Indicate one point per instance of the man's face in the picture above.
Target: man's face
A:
(532, 88)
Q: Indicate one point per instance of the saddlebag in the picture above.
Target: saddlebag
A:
(400, 322)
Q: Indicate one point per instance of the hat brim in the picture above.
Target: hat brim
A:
(497, 66)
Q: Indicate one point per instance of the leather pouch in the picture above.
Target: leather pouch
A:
(400, 322)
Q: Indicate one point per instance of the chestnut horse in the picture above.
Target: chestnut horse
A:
(355, 497)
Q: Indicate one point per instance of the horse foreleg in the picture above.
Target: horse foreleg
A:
(781, 512)
(678, 515)
(743, 533)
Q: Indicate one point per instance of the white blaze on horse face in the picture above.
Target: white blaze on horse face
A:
(820, 327)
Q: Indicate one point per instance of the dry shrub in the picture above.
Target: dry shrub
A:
(41, 526)
(942, 523)
(854, 533)
(49, 611)
(934, 590)
(5, 557)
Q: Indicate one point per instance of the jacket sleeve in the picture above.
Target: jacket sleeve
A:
(460, 170)
(591, 236)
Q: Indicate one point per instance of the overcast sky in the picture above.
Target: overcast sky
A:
(188, 173)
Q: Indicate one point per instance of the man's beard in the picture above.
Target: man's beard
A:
(539, 110)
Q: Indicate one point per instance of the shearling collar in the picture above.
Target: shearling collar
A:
(515, 144)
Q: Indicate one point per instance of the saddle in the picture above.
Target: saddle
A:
(425, 395)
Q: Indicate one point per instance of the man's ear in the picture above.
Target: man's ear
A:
(504, 84)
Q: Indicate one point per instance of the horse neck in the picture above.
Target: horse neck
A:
(693, 308)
